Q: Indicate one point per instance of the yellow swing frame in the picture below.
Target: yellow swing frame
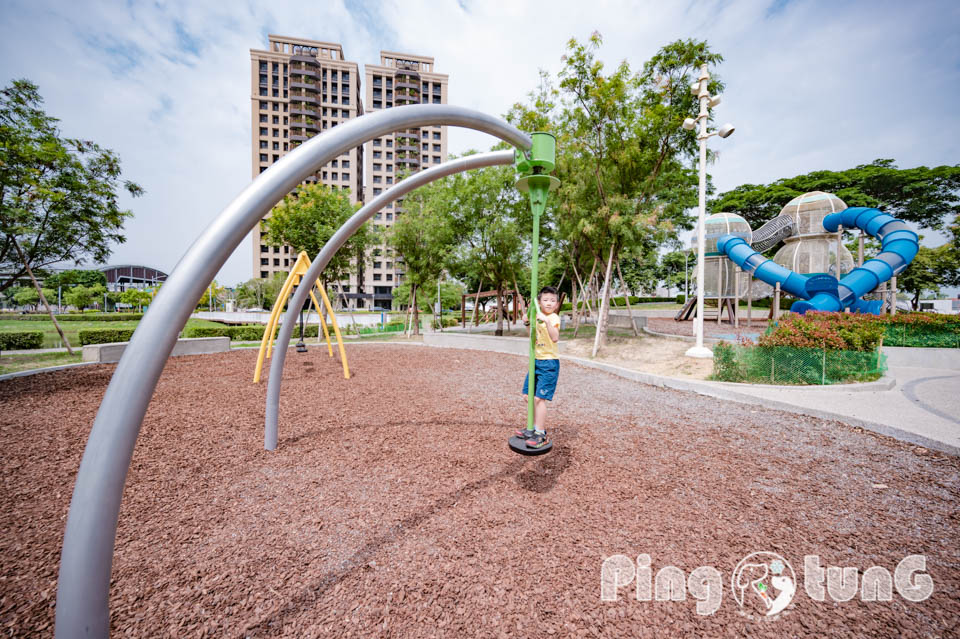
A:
(269, 334)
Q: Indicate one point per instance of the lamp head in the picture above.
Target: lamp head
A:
(714, 101)
(695, 88)
(689, 124)
(725, 131)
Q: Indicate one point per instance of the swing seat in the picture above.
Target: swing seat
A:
(519, 445)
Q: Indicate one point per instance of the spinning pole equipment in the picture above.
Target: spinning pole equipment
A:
(537, 184)
(83, 585)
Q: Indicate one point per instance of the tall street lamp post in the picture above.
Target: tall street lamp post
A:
(699, 88)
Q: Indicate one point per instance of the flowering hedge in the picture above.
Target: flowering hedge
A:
(833, 331)
(856, 332)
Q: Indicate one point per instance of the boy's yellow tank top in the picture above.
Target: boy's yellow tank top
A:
(546, 347)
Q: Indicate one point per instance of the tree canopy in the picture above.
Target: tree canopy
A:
(306, 219)
(930, 270)
(927, 197)
(627, 166)
(75, 277)
(423, 236)
(58, 196)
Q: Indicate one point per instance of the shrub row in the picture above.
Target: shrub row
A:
(787, 365)
(254, 332)
(80, 317)
(20, 340)
(104, 335)
(864, 332)
(835, 331)
(246, 333)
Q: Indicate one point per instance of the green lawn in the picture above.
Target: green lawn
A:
(72, 329)
(17, 363)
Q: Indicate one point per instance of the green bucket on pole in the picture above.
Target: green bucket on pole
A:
(537, 184)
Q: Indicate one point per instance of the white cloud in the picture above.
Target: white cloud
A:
(810, 85)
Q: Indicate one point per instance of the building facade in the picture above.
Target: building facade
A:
(399, 79)
(298, 89)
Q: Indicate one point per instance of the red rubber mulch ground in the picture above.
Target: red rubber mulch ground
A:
(394, 508)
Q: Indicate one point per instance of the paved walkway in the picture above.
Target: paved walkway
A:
(919, 405)
(923, 406)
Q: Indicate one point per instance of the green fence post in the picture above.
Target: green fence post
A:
(536, 182)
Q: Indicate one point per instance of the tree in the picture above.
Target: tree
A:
(672, 271)
(624, 160)
(58, 196)
(423, 236)
(136, 297)
(927, 197)
(931, 269)
(306, 219)
(493, 223)
(75, 277)
(79, 296)
(641, 274)
(205, 302)
(26, 296)
(450, 295)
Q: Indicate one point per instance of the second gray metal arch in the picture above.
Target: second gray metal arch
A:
(494, 158)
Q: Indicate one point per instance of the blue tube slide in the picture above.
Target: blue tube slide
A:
(899, 246)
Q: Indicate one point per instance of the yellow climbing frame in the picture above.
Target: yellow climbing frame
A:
(269, 334)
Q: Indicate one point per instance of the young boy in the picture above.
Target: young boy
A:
(547, 365)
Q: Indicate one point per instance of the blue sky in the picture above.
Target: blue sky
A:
(810, 84)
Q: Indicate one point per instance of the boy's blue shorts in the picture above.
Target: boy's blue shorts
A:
(547, 372)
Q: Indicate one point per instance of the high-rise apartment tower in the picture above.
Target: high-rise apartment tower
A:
(399, 79)
(298, 89)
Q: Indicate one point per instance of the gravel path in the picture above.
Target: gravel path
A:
(394, 508)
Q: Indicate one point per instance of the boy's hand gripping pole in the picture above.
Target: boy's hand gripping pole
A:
(535, 181)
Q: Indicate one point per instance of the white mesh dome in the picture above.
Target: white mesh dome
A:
(814, 255)
(720, 224)
(720, 277)
(808, 210)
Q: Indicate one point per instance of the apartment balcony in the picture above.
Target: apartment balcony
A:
(407, 84)
(302, 111)
(306, 99)
(305, 59)
(412, 148)
(308, 87)
(303, 70)
(299, 137)
(304, 123)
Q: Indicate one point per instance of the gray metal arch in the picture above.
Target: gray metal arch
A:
(86, 559)
(408, 184)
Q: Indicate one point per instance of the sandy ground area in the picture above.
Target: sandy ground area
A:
(648, 354)
(394, 508)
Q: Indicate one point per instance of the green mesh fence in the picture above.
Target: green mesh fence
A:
(787, 365)
(943, 336)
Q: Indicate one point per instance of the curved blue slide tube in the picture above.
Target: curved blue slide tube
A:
(899, 245)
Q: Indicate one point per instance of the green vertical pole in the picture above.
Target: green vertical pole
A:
(534, 179)
(538, 200)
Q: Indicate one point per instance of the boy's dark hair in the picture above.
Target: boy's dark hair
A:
(548, 289)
